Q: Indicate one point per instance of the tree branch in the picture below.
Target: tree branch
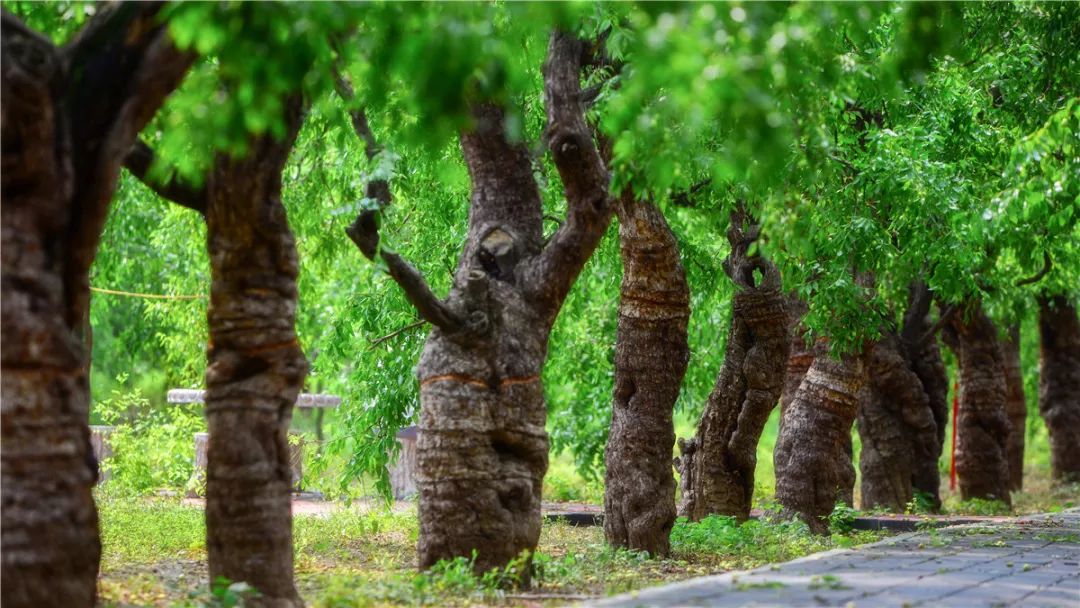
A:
(121, 67)
(585, 177)
(911, 334)
(138, 162)
(685, 198)
(365, 233)
(946, 314)
(395, 333)
(1047, 265)
(364, 230)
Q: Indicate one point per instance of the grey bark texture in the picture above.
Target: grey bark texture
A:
(717, 465)
(255, 368)
(651, 355)
(1015, 408)
(1059, 384)
(982, 427)
(813, 467)
(67, 118)
(483, 448)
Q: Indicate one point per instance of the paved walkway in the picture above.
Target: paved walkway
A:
(1029, 561)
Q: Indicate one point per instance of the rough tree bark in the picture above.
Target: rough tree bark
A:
(896, 426)
(255, 368)
(919, 338)
(1015, 408)
(68, 117)
(482, 451)
(651, 355)
(801, 354)
(982, 428)
(717, 465)
(799, 360)
(813, 469)
(1059, 384)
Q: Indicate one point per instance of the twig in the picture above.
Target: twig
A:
(942, 320)
(1047, 265)
(152, 296)
(395, 333)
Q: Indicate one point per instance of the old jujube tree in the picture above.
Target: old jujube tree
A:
(1059, 383)
(717, 465)
(483, 447)
(982, 426)
(651, 355)
(69, 116)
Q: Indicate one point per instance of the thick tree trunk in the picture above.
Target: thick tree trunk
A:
(1059, 384)
(67, 118)
(255, 369)
(651, 355)
(982, 427)
(924, 355)
(813, 470)
(483, 448)
(896, 427)
(718, 464)
(1015, 408)
(801, 354)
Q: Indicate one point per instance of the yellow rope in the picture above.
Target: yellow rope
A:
(153, 296)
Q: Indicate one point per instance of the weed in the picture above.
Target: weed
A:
(842, 518)
(826, 581)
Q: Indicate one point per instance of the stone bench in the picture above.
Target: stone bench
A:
(402, 470)
(99, 441)
(196, 486)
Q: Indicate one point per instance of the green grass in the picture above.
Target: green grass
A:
(154, 554)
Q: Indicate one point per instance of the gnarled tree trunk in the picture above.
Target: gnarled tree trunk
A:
(800, 356)
(813, 469)
(924, 355)
(482, 450)
(651, 355)
(1015, 408)
(1059, 384)
(255, 368)
(718, 464)
(68, 117)
(896, 427)
(982, 427)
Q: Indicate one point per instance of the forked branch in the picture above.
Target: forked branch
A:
(138, 162)
(585, 177)
(364, 231)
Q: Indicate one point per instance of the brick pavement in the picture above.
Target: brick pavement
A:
(1029, 561)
